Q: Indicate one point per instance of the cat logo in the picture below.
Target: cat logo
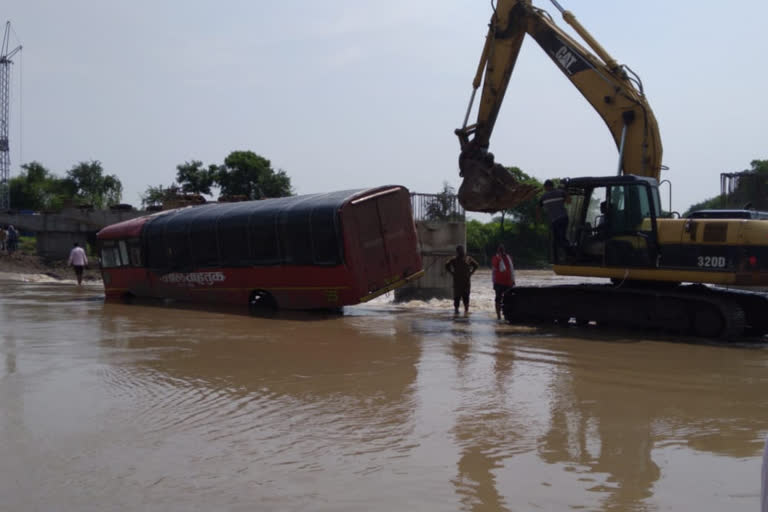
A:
(566, 59)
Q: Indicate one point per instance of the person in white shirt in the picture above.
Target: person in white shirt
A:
(78, 260)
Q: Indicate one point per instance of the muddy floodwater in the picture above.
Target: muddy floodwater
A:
(388, 407)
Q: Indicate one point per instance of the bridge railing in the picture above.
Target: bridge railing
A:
(436, 207)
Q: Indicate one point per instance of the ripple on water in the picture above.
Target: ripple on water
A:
(189, 407)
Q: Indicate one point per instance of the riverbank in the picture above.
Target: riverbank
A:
(23, 266)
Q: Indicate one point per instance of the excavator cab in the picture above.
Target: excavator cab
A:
(612, 221)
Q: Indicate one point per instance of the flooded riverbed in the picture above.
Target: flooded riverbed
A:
(387, 407)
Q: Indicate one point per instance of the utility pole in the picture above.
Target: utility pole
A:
(5, 86)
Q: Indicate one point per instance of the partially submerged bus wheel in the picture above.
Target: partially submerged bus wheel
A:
(261, 301)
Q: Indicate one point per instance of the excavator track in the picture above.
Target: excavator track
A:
(754, 305)
(694, 309)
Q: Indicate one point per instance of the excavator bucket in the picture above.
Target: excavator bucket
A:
(490, 187)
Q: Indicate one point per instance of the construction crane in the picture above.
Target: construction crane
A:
(6, 54)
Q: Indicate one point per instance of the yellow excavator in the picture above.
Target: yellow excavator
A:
(659, 267)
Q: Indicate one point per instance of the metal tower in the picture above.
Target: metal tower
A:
(5, 85)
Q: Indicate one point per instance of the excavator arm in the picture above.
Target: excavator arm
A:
(613, 90)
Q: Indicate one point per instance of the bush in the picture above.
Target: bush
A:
(28, 245)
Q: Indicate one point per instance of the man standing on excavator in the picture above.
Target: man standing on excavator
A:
(553, 201)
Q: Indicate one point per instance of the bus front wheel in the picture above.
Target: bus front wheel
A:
(262, 301)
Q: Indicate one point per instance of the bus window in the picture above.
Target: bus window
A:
(233, 242)
(156, 250)
(203, 243)
(134, 252)
(295, 237)
(178, 247)
(110, 255)
(325, 243)
(123, 253)
(264, 243)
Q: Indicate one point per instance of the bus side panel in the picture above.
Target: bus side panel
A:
(167, 288)
(293, 287)
(315, 287)
(125, 282)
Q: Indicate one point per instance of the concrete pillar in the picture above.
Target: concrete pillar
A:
(438, 241)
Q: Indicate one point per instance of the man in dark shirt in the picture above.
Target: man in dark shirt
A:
(461, 267)
(553, 202)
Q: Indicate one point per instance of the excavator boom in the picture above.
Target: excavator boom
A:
(612, 90)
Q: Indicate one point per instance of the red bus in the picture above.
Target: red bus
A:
(318, 251)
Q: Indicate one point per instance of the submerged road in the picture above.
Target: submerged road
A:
(388, 407)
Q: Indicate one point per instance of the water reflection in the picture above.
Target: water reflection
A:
(614, 403)
(9, 354)
(304, 384)
(486, 429)
(616, 410)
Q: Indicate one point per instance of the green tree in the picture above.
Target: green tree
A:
(524, 237)
(37, 188)
(29, 188)
(750, 191)
(156, 196)
(528, 237)
(481, 238)
(759, 166)
(444, 205)
(193, 178)
(93, 187)
(713, 203)
(524, 213)
(251, 175)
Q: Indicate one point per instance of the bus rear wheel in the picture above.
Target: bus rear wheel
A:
(261, 301)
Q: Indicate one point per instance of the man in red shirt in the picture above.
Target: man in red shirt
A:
(503, 275)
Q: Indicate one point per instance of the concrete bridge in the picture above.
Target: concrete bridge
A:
(56, 232)
(440, 229)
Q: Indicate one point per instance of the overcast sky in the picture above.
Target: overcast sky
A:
(347, 94)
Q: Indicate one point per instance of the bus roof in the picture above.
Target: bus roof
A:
(128, 228)
(293, 206)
